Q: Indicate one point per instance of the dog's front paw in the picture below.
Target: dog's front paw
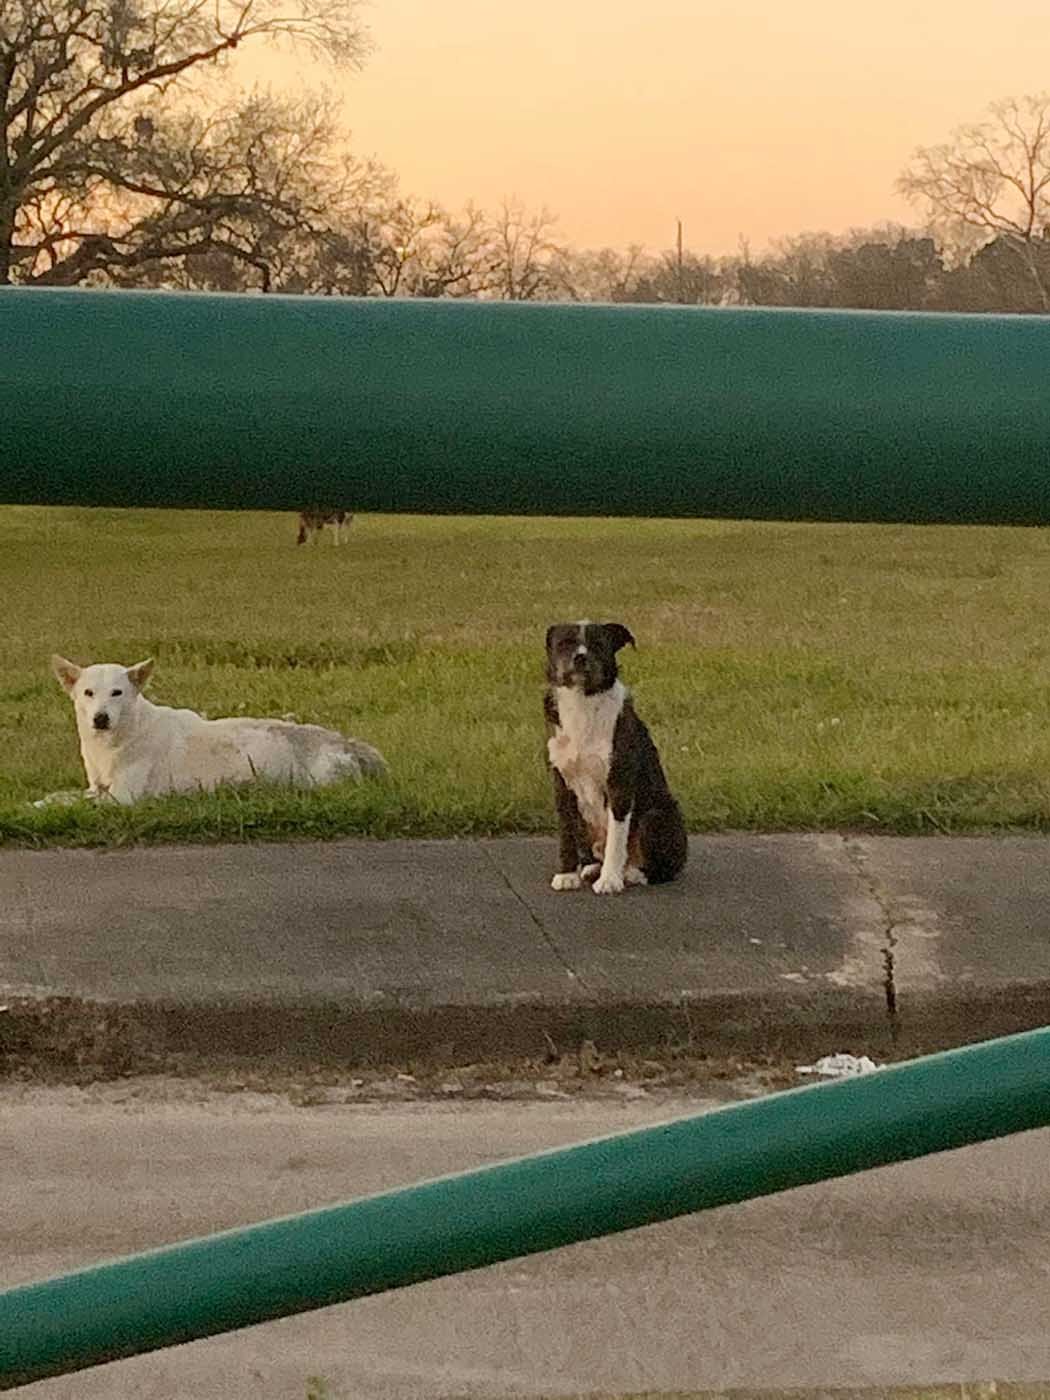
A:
(590, 873)
(566, 880)
(608, 883)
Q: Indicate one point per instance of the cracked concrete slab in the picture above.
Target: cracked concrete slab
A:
(369, 922)
(391, 947)
(966, 910)
(764, 912)
(425, 923)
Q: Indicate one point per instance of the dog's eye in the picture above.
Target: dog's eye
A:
(90, 694)
(116, 692)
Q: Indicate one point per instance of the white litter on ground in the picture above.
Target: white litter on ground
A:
(839, 1066)
(62, 799)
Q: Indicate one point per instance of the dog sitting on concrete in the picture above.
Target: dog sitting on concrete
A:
(619, 823)
(132, 748)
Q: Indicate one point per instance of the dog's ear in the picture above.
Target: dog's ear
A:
(552, 632)
(66, 672)
(140, 674)
(619, 634)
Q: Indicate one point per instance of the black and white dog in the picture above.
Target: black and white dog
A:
(619, 823)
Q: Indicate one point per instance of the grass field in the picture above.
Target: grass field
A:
(795, 677)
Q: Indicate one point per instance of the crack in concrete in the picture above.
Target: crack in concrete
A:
(545, 933)
(856, 856)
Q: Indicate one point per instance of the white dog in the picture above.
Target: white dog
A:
(133, 749)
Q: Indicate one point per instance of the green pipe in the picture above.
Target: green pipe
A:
(250, 1275)
(273, 402)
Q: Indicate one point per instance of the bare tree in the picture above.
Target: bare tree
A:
(454, 260)
(103, 167)
(372, 250)
(794, 273)
(380, 243)
(416, 248)
(990, 182)
(524, 262)
(688, 278)
(605, 274)
(230, 202)
(637, 276)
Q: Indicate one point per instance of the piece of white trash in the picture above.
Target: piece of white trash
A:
(839, 1066)
(61, 799)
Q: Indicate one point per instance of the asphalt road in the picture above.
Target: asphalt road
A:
(935, 1270)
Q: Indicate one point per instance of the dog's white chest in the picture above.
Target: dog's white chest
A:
(581, 749)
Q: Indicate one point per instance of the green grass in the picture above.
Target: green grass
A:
(796, 677)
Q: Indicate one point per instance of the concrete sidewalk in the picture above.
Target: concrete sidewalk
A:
(370, 950)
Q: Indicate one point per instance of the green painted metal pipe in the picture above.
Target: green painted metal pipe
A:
(161, 399)
(556, 1198)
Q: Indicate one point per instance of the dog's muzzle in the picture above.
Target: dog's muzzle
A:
(100, 721)
(569, 675)
(581, 667)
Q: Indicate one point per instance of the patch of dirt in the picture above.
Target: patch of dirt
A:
(63, 1041)
(401, 1053)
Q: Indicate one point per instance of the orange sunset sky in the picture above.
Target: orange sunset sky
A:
(748, 118)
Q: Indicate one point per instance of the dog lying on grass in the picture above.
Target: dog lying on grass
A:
(133, 749)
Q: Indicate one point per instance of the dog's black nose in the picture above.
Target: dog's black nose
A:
(101, 721)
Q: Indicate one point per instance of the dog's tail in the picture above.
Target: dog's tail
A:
(363, 760)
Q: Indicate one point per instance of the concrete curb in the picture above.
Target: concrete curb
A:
(364, 952)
